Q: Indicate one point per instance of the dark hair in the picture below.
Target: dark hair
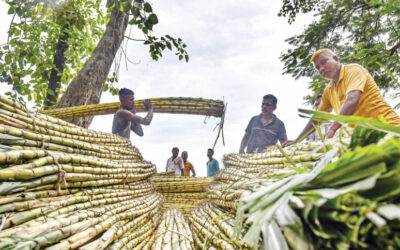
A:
(212, 150)
(184, 152)
(318, 96)
(272, 97)
(125, 91)
(175, 148)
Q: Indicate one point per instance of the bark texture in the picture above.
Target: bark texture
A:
(87, 86)
(56, 73)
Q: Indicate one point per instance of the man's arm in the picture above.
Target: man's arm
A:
(216, 165)
(126, 115)
(193, 171)
(181, 166)
(243, 144)
(307, 128)
(348, 108)
(324, 106)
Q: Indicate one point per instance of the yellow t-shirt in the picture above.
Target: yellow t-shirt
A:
(371, 103)
(186, 170)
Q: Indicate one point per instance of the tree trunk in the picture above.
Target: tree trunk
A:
(87, 86)
(53, 89)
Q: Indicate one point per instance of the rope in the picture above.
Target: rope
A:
(30, 116)
(90, 199)
(61, 172)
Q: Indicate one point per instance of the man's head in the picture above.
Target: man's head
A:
(327, 64)
(184, 155)
(210, 153)
(317, 101)
(268, 104)
(127, 98)
(175, 152)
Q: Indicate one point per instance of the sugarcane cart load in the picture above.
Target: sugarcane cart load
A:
(65, 187)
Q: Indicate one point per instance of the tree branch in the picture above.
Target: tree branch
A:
(133, 39)
(8, 38)
(394, 48)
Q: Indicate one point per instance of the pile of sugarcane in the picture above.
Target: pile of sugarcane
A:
(244, 170)
(329, 195)
(184, 193)
(173, 232)
(213, 228)
(174, 105)
(213, 222)
(350, 200)
(64, 187)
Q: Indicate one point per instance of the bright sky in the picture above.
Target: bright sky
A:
(234, 48)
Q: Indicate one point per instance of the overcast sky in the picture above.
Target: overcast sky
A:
(234, 48)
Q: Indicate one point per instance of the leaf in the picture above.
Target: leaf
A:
(355, 120)
(4, 148)
(168, 44)
(10, 187)
(147, 7)
(153, 19)
(376, 219)
(8, 138)
(389, 211)
(51, 92)
(11, 10)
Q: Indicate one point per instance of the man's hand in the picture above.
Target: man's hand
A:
(332, 130)
(288, 143)
(330, 133)
(147, 104)
(241, 151)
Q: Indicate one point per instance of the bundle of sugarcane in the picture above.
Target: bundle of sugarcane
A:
(173, 232)
(184, 193)
(175, 105)
(138, 233)
(244, 171)
(179, 184)
(164, 174)
(76, 219)
(185, 203)
(350, 200)
(25, 130)
(16, 116)
(213, 227)
(62, 186)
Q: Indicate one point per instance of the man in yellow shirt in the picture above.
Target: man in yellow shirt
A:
(352, 91)
(187, 165)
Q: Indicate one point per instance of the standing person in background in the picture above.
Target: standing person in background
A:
(188, 167)
(351, 91)
(175, 163)
(125, 119)
(265, 129)
(212, 164)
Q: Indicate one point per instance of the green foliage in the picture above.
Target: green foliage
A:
(145, 19)
(27, 60)
(364, 32)
(290, 8)
(362, 137)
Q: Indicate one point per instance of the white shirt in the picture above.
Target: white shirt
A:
(175, 165)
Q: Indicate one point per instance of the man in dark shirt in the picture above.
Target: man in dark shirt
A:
(265, 129)
(125, 119)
